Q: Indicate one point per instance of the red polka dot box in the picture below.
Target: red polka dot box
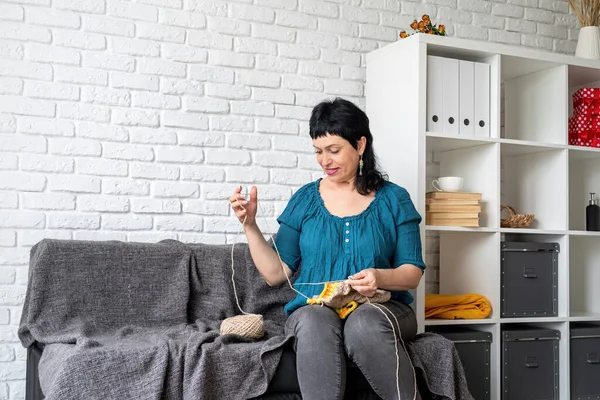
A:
(584, 125)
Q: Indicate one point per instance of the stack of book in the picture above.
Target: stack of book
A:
(452, 208)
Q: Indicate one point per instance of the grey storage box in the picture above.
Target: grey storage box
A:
(530, 359)
(529, 286)
(474, 351)
(585, 362)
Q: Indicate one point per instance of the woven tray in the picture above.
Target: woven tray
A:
(515, 220)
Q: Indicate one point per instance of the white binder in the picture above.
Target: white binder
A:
(435, 98)
(450, 108)
(482, 100)
(466, 98)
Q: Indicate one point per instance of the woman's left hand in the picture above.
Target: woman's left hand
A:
(365, 282)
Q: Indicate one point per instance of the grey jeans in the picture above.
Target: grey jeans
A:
(322, 340)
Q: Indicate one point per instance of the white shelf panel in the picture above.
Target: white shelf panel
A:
(526, 60)
(459, 229)
(584, 317)
(531, 231)
(515, 147)
(454, 322)
(439, 142)
(584, 234)
(522, 231)
(575, 317)
(532, 320)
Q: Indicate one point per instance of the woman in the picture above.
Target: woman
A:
(351, 225)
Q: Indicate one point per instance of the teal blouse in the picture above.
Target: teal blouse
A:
(327, 247)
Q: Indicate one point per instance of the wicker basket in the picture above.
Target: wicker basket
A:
(515, 220)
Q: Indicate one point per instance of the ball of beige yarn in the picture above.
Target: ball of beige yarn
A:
(248, 325)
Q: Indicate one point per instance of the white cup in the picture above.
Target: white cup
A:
(448, 184)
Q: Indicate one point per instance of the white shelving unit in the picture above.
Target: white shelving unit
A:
(525, 162)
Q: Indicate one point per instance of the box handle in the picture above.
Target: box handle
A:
(529, 273)
(531, 362)
(592, 358)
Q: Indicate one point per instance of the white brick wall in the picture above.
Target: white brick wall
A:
(134, 120)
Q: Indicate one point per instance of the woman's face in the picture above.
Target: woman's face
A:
(337, 157)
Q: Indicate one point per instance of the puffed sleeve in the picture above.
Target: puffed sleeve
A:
(287, 240)
(408, 248)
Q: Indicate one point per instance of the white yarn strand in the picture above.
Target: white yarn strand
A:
(233, 280)
(377, 306)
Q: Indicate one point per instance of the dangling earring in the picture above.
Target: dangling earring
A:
(360, 166)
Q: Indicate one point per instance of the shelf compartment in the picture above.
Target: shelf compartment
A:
(456, 93)
(563, 271)
(535, 183)
(478, 166)
(584, 265)
(583, 180)
(466, 266)
(529, 112)
(563, 347)
(478, 348)
(580, 77)
(531, 359)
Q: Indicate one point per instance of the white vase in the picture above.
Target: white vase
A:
(588, 44)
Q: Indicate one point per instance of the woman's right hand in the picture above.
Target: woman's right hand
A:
(245, 209)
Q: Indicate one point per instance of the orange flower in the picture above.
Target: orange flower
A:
(403, 35)
(430, 31)
(441, 28)
(425, 17)
(422, 26)
(414, 25)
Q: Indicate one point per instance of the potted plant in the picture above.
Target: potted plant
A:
(424, 26)
(588, 14)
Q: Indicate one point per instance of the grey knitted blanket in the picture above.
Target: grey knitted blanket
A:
(141, 321)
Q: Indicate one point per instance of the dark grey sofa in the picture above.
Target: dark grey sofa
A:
(73, 285)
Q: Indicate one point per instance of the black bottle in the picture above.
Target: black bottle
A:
(592, 215)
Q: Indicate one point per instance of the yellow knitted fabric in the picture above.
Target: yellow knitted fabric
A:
(344, 299)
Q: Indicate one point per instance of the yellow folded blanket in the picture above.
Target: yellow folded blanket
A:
(459, 306)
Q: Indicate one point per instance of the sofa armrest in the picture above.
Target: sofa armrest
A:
(33, 391)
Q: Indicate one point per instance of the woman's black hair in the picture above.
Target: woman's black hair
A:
(343, 118)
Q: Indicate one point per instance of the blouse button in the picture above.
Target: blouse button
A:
(347, 240)
(347, 232)
(347, 223)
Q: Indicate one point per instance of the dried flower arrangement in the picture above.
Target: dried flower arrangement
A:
(587, 11)
(425, 26)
